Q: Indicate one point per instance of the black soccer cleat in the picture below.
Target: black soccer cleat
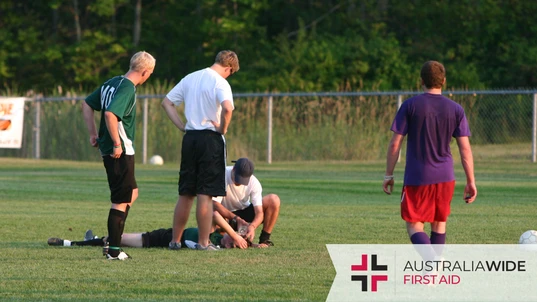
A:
(89, 235)
(121, 256)
(106, 247)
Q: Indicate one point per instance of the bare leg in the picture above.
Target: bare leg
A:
(132, 240)
(413, 228)
(204, 216)
(180, 216)
(271, 210)
(438, 227)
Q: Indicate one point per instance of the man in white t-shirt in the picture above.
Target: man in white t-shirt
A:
(208, 102)
(244, 203)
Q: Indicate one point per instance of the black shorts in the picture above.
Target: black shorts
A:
(157, 238)
(203, 164)
(120, 173)
(248, 214)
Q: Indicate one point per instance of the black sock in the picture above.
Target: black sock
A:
(116, 223)
(264, 236)
(91, 242)
(125, 219)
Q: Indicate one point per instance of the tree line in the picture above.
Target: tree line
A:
(283, 45)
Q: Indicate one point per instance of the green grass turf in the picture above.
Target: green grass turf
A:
(322, 203)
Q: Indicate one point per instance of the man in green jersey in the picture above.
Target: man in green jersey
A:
(116, 100)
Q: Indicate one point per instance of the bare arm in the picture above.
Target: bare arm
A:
(225, 117)
(112, 126)
(171, 111)
(225, 213)
(467, 160)
(88, 113)
(394, 148)
(220, 221)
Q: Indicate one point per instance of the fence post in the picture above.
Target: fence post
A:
(144, 135)
(534, 130)
(269, 135)
(399, 103)
(37, 129)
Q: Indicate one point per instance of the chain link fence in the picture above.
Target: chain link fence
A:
(288, 126)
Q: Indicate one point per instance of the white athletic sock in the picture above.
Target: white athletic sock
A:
(66, 242)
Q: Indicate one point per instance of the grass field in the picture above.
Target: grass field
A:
(322, 203)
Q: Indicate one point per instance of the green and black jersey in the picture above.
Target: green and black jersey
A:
(162, 237)
(117, 95)
(192, 235)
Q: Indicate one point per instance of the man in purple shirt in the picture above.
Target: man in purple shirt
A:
(429, 120)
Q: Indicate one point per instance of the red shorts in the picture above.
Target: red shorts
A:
(427, 203)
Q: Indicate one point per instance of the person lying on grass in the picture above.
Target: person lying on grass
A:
(223, 236)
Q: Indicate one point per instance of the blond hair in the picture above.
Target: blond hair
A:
(228, 58)
(141, 61)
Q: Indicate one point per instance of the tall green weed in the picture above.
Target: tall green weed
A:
(304, 128)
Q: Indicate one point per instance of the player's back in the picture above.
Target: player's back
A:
(432, 121)
(202, 96)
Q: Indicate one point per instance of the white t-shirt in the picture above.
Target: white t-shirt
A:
(202, 91)
(240, 197)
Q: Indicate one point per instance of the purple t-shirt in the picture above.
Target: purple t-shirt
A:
(429, 121)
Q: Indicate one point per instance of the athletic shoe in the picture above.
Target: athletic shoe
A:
(210, 247)
(105, 248)
(55, 241)
(121, 256)
(267, 242)
(174, 246)
(88, 235)
(190, 244)
(430, 277)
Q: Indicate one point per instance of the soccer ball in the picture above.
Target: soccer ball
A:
(156, 160)
(528, 237)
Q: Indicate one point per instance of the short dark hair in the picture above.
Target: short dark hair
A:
(433, 74)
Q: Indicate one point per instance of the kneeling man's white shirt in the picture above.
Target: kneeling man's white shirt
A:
(240, 197)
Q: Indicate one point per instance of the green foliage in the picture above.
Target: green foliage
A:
(282, 45)
(357, 60)
(88, 64)
(106, 8)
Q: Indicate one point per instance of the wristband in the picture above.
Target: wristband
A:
(388, 177)
(233, 223)
(117, 146)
